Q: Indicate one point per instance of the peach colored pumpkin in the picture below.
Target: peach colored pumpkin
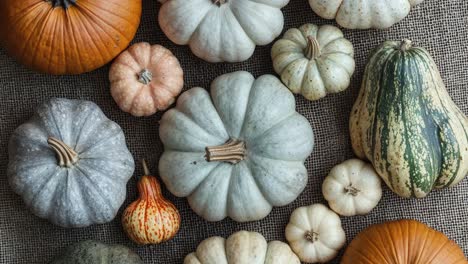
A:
(145, 79)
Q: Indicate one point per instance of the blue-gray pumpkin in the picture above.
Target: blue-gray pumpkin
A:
(70, 164)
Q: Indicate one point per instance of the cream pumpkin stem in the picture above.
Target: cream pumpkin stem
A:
(219, 2)
(312, 50)
(232, 151)
(311, 236)
(67, 157)
(145, 76)
(351, 190)
(406, 45)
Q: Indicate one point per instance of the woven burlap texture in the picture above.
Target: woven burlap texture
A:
(439, 26)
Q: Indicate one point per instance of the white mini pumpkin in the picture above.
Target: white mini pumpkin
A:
(314, 61)
(239, 152)
(315, 233)
(222, 30)
(352, 188)
(364, 14)
(242, 248)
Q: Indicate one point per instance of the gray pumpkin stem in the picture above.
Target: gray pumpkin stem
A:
(145, 76)
(312, 50)
(232, 151)
(351, 190)
(311, 236)
(219, 2)
(67, 157)
(406, 44)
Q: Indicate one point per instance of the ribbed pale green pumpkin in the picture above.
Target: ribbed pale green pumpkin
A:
(406, 124)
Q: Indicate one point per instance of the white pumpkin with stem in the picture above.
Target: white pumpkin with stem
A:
(314, 61)
(222, 30)
(352, 188)
(242, 247)
(315, 233)
(364, 14)
(238, 153)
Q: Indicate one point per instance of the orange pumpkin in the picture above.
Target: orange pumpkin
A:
(402, 242)
(145, 79)
(67, 36)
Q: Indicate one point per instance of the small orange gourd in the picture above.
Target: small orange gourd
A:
(145, 79)
(402, 242)
(151, 219)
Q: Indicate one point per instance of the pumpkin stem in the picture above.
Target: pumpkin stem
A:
(66, 155)
(232, 151)
(146, 171)
(311, 236)
(62, 3)
(145, 76)
(351, 190)
(219, 2)
(312, 50)
(406, 44)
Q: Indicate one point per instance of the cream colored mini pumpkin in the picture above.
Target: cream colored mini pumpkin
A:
(314, 61)
(145, 79)
(364, 14)
(352, 188)
(315, 233)
(242, 248)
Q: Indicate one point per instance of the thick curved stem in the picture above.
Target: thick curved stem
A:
(62, 3)
(406, 44)
(312, 50)
(233, 152)
(145, 76)
(351, 190)
(67, 157)
(311, 236)
(219, 2)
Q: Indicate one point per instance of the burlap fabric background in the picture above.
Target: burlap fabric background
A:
(439, 25)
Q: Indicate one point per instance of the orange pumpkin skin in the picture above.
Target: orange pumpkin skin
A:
(58, 40)
(145, 79)
(151, 219)
(402, 242)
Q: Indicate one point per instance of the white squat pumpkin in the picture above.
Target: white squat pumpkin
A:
(242, 248)
(352, 188)
(314, 61)
(364, 14)
(222, 30)
(315, 233)
(238, 153)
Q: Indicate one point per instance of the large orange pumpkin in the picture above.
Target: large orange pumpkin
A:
(67, 36)
(402, 242)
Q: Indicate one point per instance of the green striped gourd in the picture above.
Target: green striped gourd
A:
(406, 124)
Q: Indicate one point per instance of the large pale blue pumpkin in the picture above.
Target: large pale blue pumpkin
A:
(238, 153)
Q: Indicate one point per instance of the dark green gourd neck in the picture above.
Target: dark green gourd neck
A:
(62, 3)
